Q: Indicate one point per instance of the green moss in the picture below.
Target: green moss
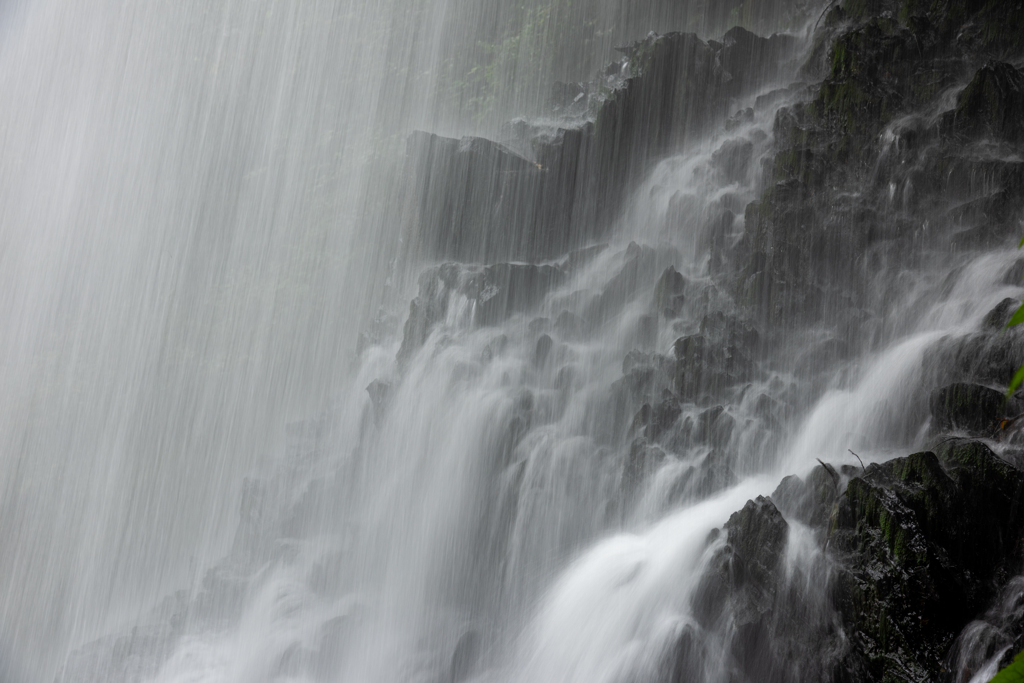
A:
(840, 60)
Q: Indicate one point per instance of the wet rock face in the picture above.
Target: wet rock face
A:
(460, 184)
(810, 502)
(924, 541)
(876, 151)
(913, 549)
(723, 354)
(989, 356)
(991, 106)
(484, 295)
(919, 547)
(758, 534)
(477, 200)
(969, 408)
(748, 597)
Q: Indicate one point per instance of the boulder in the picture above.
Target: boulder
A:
(809, 501)
(924, 541)
(653, 421)
(705, 366)
(668, 293)
(742, 587)
(968, 408)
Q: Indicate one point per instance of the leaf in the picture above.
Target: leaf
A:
(1021, 243)
(1015, 382)
(1013, 673)
(1018, 317)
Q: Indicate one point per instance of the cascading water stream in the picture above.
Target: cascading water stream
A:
(453, 529)
(476, 497)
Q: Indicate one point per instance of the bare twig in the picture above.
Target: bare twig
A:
(858, 459)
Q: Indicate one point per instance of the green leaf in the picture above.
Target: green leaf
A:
(1013, 673)
(1021, 243)
(1015, 382)
(1018, 317)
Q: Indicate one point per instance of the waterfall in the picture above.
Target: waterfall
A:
(412, 341)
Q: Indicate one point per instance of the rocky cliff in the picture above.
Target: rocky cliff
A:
(899, 142)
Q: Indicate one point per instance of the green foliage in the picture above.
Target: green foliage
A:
(1018, 377)
(1016, 319)
(1013, 673)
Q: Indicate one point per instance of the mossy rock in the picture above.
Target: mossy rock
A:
(925, 541)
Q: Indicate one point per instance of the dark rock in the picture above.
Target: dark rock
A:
(772, 413)
(924, 541)
(749, 58)
(564, 95)
(968, 408)
(997, 318)
(636, 360)
(1000, 629)
(991, 106)
(742, 586)
(810, 502)
(668, 293)
(645, 379)
(495, 348)
(715, 240)
(672, 94)
(730, 330)
(758, 534)
(733, 160)
(920, 545)
(653, 421)
(986, 357)
(832, 191)
(567, 379)
(714, 426)
(704, 367)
